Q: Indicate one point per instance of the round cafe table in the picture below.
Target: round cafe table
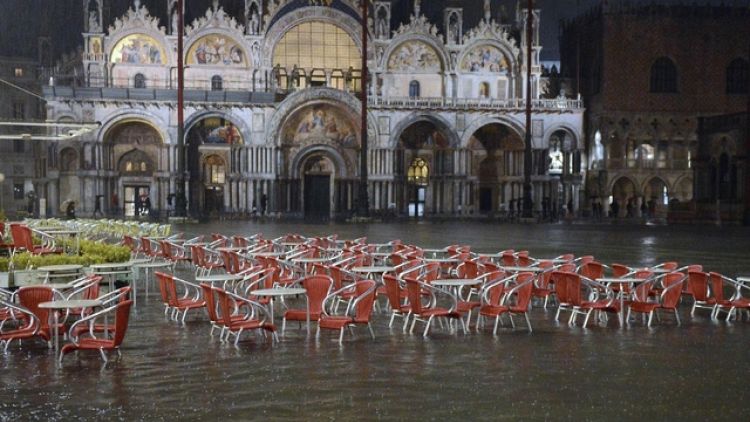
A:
(151, 265)
(281, 292)
(456, 283)
(71, 271)
(630, 282)
(59, 305)
(216, 278)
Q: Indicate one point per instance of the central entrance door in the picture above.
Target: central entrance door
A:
(135, 201)
(317, 197)
(213, 201)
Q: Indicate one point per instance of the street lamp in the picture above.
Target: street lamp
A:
(2, 190)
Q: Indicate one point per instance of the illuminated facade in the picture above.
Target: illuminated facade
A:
(272, 115)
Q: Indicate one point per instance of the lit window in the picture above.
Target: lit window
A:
(215, 170)
(129, 166)
(19, 72)
(143, 166)
(418, 172)
(317, 45)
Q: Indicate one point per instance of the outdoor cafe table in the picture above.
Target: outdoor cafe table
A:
(456, 283)
(267, 254)
(629, 281)
(215, 278)
(524, 269)
(64, 232)
(281, 292)
(373, 269)
(305, 261)
(150, 265)
(111, 271)
(61, 271)
(59, 305)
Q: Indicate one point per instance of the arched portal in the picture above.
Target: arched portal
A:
(317, 171)
(210, 142)
(497, 151)
(423, 149)
(623, 198)
(135, 151)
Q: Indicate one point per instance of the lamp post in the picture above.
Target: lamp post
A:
(181, 201)
(2, 190)
(363, 201)
(527, 203)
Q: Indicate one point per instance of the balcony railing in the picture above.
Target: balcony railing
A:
(557, 104)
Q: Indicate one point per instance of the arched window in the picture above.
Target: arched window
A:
(139, 81)
(217, 84)
(484, 90)
(418, 173)
(663, 76)
(737, 74)
(414, 90)
(215, 170)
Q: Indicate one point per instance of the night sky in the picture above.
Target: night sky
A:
(23, 21)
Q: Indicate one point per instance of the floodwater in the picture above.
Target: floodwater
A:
(170, 371)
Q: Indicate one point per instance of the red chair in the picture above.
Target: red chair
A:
(592, 270)
(23, 239)
(640, 302)
(396, 294)
(671, 293)
(174, 252)
(735, 302)
(228, 302)
(698, 281)
(175, 302)
(516, 300)
(28, 325)
(122, 315)
(30, 298)
(117, 296)
(317, 287)
(426, 313)
(358, 310)
(212, 305)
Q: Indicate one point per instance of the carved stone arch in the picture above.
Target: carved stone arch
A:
(237, 121)
(138, 21)
(303, 154)
(629, 178)
(484, 120)
(305, 97)
(308, 14)
(150, 119)
(575, 134)
(648, 180)
(432, 41)
(440, 123)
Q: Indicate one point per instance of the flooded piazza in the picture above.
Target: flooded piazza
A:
(172, 371)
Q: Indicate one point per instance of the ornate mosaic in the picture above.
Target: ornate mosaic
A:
(414, 56)
(217, 50)
(485, 59)
(323, 123)
(215, 130)
(138, 49)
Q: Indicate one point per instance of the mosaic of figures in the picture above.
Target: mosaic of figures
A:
(215, 130)
(485, 59)
(414, 56)
(138, 49)
(216, 50)
(321, 122)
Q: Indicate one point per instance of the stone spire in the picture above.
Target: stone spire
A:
(487, 11)
(417, 8)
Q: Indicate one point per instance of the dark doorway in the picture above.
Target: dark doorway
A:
(317, 197)
(485, 200)
(213, 202)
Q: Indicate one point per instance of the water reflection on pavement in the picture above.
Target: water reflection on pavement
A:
(171, 372)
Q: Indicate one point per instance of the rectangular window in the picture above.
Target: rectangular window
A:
(18, 191)
(19, 72)
(18, 146)
(19, 110)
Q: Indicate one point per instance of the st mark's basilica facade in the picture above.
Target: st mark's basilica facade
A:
(272, 113)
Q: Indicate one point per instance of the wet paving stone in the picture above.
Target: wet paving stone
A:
(171, 371)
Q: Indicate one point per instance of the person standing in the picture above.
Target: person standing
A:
(115, 203)
(263, 204)
(98, 206)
